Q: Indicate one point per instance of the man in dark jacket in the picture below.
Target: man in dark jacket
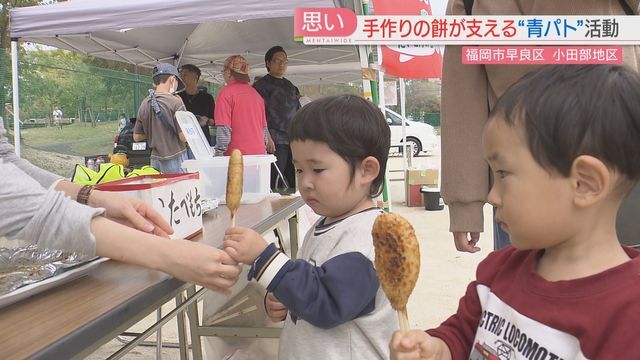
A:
(197, 100)
(281, 101)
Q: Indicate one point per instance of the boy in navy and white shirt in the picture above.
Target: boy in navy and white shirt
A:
(330, 296)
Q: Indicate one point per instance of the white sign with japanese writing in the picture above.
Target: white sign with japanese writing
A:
(195, 137)
(175, 196)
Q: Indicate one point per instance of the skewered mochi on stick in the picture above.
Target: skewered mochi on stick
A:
(234, 184)
(397, 261)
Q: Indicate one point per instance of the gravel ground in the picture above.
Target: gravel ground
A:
(56, 163)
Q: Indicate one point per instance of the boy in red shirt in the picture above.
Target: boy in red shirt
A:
(565, 136)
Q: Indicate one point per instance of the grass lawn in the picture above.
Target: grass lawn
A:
(75, 139)
(94, 146)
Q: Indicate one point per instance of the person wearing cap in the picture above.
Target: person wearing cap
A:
(197, 99)
(281, 99)
(158, 125)
(241, 121)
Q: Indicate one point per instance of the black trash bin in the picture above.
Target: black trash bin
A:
(432, 199)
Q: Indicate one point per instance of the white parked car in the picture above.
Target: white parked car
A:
(422, 136)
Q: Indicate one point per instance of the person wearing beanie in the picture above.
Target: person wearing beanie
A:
(240, 113)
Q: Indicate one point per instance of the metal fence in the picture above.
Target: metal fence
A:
(83, 92)
(431, 118)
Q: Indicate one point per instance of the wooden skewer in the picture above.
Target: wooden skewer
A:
(235, 314)
(223, 313)
(403, 319)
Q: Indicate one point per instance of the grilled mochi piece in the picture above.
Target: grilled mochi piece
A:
(397, 257)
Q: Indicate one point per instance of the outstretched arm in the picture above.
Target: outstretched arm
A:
(122, 209)
(51, 220)
(187, 260)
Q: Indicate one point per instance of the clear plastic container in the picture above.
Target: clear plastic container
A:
(213, 177)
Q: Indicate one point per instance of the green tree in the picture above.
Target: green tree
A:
(421, 97)
(316, 91)
(5, 42)
(5, 6)
(61, 78)
(5, 37)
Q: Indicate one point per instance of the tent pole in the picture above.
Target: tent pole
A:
(373, 85)
(386, 190)
(136, 90)
(361, 8)
(382, 103)
(364, 63)
(404, 134)
(16, 97)
(372, 91)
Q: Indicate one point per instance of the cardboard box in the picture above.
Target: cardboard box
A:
(422, 177)
(175, 196)
(415, 179)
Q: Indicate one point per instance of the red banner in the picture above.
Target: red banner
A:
(409, 61)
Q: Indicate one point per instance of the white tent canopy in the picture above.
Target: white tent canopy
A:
(88, 16)
(202, 32)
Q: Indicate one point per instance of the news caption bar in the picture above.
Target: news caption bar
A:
(340, 26)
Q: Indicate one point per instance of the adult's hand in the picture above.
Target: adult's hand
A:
(466, 241)
(203, 265)
(202, 120)
(186, 260)
(271, 146)
(131, 212)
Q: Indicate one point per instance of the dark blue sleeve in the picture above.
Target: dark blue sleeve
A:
(342, 289)
(211, 109)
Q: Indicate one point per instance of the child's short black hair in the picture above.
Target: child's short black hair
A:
(351, 126)
(190, 67)
(572, 110)
(161, 79)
